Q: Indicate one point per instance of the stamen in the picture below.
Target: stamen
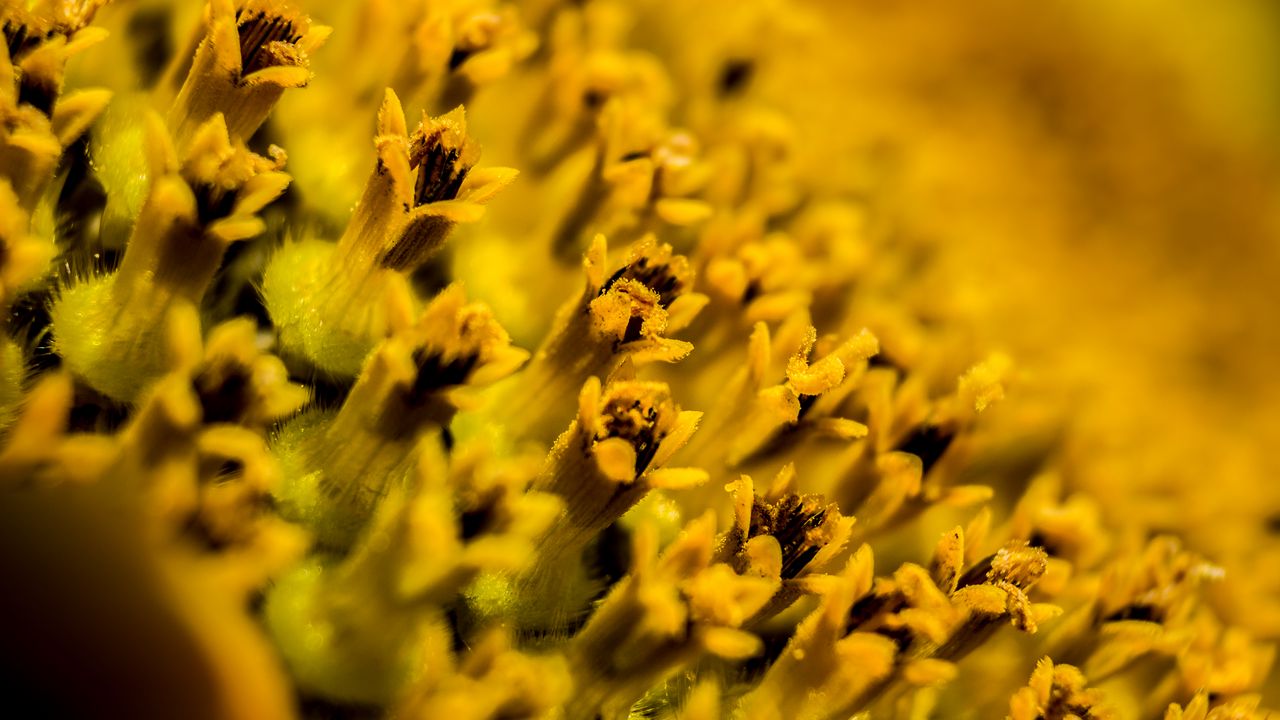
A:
(661, 278)
(245, 61)
(436, 373)
(929, 443)
(19, 38)
(636, 421)
(443, 155)
(225, 393)
(260, 35)
(212, 202)
(797, 522)
(441, 169)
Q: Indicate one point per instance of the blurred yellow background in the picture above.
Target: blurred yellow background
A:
(1096, 183)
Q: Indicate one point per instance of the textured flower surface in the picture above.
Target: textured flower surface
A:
(485, 359)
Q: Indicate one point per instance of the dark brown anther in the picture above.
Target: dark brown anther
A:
(39, 95)
(657, 277)
(869, 612)
(735, 75)
(18, 38)
(929, 443)
(636, 422)
(442, 155)
(440, 168)
(977, 574)
(435, 373)
(258, 32)
(1138, 611)
(459, 56)
(1272, 523)
(796, 522)
(806, 404)
(594, 99)
(212, 202)
(1038, 539)
(633, 332)
(225, 393)
(24, 32)
(866, 609)
(474, 522)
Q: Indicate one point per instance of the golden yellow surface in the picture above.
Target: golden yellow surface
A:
(1046, 231)
(1100, 182)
